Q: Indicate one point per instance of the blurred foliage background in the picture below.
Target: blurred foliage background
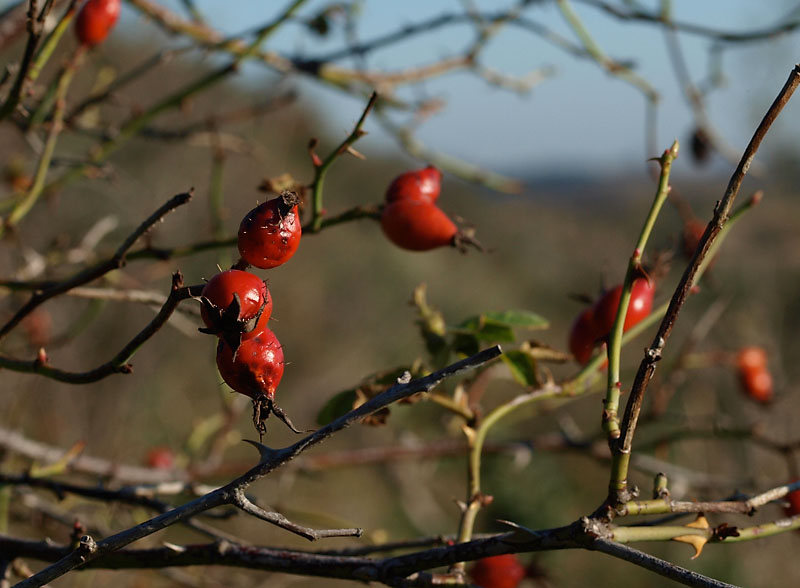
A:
(342, 311)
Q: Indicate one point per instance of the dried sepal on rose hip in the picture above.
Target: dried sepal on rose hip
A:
(235, 306)
(270, 233)
(95, 21)
(255, 369)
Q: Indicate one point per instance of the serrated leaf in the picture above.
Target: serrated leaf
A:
(521, 367)
(518, 318)
(338, 405)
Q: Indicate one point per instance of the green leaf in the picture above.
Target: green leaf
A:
(485, 329)
(338, 405)
(521, 367)
(518, 318)
(465, 344)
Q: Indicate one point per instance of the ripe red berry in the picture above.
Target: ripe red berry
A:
(751, 358)
(95, 21)
(793, 498)
(256, 368)
(422, 185)
(160, 458)
(757, 385)
(639, 307)
(236, 305)
(583, 336)
(499, 571)
(270, 233)
(417, 225)
(754, 376)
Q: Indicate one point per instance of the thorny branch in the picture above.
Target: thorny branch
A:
(232, 493)
(98, 270)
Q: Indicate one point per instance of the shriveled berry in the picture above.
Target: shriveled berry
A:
(499, 571)
(422, 185)
(417, 226)
(256, 368)
(236, 305)
(95, 21)
(270, 233)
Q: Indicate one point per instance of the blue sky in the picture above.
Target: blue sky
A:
(581, 116)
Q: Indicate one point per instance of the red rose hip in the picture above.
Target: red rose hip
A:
(270, 233)
(256, 368)
(236, 305)
(422, 185)
(95, 20)
(639, 307)
(499, 571)
(582, 336)
(417, 226)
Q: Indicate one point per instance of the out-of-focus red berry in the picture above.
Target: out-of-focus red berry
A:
(95, 21)
(161, 458)
(499, 571)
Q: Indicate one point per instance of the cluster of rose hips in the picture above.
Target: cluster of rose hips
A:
(410, 218)
(95, 20)
(594, 324)
(236, 306)
(754, 376)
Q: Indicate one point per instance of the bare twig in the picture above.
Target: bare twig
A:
(119, 363)
(92, 273)
(659, 566)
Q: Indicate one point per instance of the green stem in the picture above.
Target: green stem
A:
(321, 170)
(611, 403)
(656, 533)
(50, 44)
(593, 49)
(476, 443)
(215, 200)
(760, 531)
(23, 207)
